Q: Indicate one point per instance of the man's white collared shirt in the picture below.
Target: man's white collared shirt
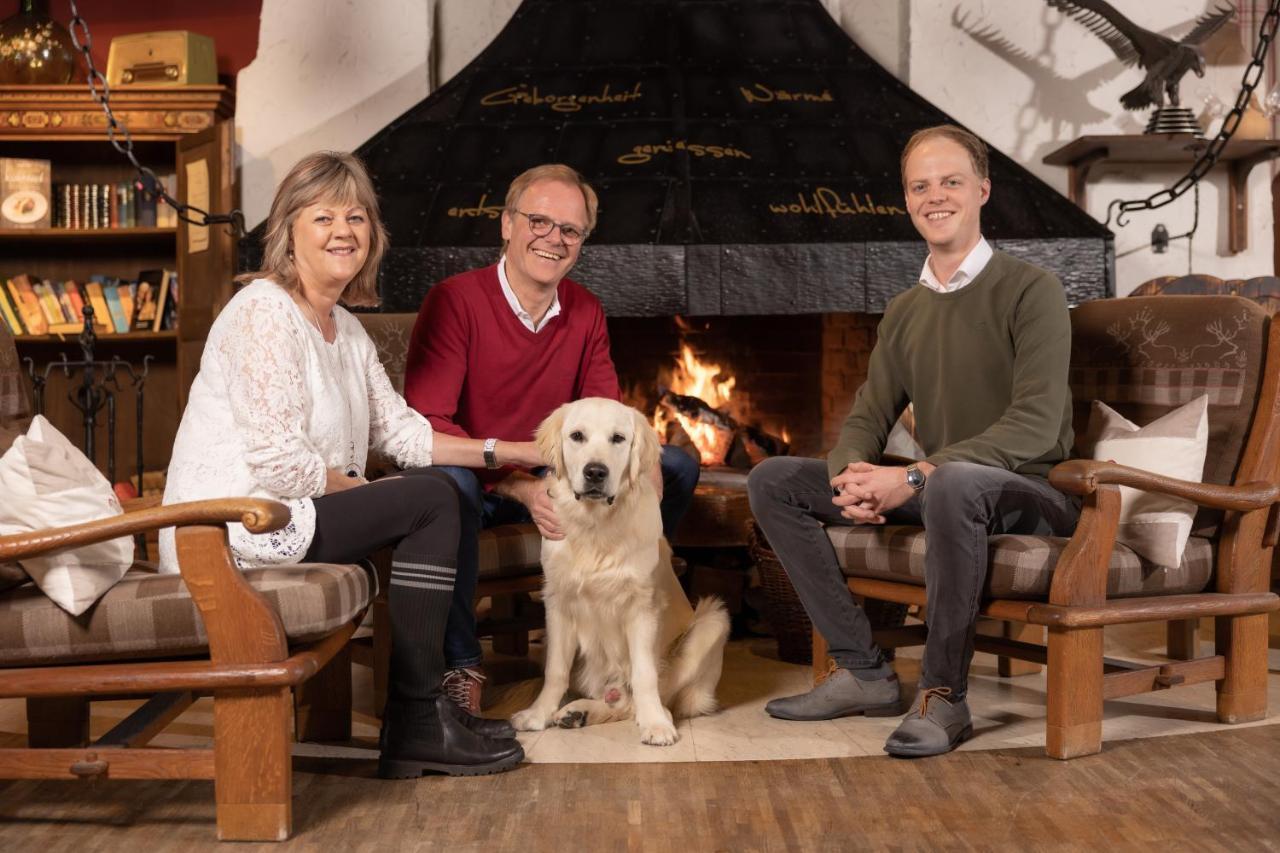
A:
(525, 317)
(973, 263)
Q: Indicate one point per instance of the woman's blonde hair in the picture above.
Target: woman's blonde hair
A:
(335, 176)
(553, 172)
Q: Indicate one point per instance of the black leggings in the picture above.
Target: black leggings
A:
(415, 513)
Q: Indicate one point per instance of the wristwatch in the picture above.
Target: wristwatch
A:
(915, 477)
(490, 454)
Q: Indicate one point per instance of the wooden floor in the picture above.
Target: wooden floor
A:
(1215, 791)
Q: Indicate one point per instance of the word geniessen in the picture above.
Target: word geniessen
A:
(644, 153)
(827, 202)
(522, 94)
(481, 209)
(764, 95)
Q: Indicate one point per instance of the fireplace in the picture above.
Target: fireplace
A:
(793, 376)
(745, 153)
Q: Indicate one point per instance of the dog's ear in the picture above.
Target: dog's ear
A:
(645, 449)
(549, 443)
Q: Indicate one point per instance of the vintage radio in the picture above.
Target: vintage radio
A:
(175, 57)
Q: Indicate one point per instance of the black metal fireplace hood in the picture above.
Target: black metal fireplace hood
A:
(745, 153)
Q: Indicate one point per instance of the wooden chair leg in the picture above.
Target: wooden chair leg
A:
(1008, 667)
(509, 607)
(1242, 692)
(57, 722)
(253, 776)
(1183, 639)
(322, 705)
(1074, 724)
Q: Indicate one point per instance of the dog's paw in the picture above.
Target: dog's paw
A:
(570, 719)
(662, 733)
(529, 720)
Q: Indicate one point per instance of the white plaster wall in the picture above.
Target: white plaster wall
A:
(328, 74)
(331, 72)
(1029, 80)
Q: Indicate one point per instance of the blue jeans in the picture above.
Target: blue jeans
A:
(486, 509)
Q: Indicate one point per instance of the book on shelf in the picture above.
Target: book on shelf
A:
(153, 296)
(97, 206)
(98, 301)
(145, 299)
(119, 319)
(125, 291)
(9, 312)
(25, 197)
(24, 297)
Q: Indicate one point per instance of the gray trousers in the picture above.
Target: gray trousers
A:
(961, 505)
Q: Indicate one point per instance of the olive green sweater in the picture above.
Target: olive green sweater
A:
(985, 366)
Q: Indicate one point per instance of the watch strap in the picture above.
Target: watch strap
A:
(490, 453)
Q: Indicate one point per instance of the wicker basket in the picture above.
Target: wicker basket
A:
(787, 616)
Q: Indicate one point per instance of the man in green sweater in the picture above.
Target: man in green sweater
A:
(980, 347)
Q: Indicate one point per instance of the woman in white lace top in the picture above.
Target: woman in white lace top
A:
(288, 402)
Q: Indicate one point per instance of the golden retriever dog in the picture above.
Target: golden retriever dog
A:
(611, 598)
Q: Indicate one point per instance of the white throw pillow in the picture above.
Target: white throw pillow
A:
(47, 482)
(1155, 526)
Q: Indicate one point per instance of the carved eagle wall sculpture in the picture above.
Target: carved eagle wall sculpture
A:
(1165, 60)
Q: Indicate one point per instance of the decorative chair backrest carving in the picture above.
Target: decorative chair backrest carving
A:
(1264, 290)
(1148, 355)
(390, 334)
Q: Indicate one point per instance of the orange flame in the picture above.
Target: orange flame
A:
(696, 378)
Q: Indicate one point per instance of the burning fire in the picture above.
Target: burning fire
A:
(696, 378)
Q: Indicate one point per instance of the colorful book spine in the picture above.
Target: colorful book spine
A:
(28, 305)
(10, 314)
(119, 319)
(98, 301)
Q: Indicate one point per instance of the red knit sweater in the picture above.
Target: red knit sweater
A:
(474, 369)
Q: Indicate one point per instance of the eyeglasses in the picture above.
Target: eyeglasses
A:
(541, 226)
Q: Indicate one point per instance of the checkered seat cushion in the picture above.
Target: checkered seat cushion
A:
(1020, 566)
(510, 551)
(148, 615)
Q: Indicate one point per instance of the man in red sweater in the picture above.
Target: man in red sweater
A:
(493, 352)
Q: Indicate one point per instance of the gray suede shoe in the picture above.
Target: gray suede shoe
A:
(934, 725)
(842, 694)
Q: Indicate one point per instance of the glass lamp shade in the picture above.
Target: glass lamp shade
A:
(34, 48)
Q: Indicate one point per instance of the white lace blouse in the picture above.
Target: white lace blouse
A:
(273, 406)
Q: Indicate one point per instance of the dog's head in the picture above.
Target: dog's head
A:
(597, 445)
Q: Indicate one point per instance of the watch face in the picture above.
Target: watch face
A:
(915, 478)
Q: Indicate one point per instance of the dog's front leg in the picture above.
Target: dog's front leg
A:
(655, 722)
(561, 646)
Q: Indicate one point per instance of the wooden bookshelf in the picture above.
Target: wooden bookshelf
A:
(185, 130)
(88, 235)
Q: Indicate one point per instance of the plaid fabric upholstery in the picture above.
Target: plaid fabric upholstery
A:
(510, 550)
(1021, 566)
(1144, 356)
(152, 615)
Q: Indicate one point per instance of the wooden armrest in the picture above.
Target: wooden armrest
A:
(1084, 476)
(135, 504)
(258, 515)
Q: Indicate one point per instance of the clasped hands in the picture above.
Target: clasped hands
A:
(865, 492)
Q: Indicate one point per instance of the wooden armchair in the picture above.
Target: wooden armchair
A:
(267, 631)
(267, 644)
(1143, 357)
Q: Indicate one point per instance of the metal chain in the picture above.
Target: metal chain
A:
(1209, 157)
(118, 135)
